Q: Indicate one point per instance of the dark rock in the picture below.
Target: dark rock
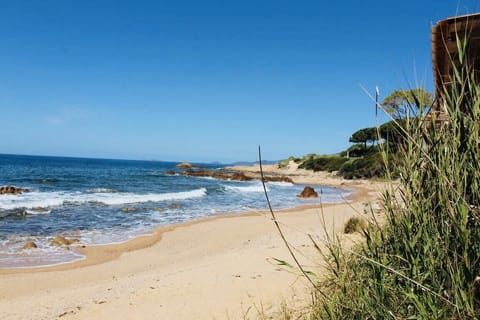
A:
(12, 190)
(233, 175)
(198, 173)
(277, 179)
(240, 176)
(129, 209)
(60, 241)
(170, 173)
(308, 192)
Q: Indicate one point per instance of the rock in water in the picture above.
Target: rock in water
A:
(184, 165)
(11, 190)
(308, 192)
(60, 241)
(29, 245)
(175, 205)
(240, 176)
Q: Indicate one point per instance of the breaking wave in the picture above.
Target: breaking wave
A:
(245, 189)
(37, 200)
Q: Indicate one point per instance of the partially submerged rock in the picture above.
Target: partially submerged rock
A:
(29, 245)
(12, 190)
(175, 205)
(308, 192)
(60, 241)
(237, 176)
(240, 176)
(233, 175)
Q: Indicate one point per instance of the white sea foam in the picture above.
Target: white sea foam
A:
(113, 236)
(247, 189)
(31, 200)
(123, 198)
(101, 190)
(38, 211)
(13, 256)
(206, 178)
(34, 258)
(36, 200)
(280, 184)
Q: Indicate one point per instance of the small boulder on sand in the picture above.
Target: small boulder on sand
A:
(308, 192)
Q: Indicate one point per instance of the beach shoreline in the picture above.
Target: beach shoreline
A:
(101, 253)
(216, 267)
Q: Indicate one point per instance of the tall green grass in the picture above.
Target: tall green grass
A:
(424, 261)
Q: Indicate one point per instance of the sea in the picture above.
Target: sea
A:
(103, 201)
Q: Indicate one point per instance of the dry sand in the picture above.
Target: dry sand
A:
(217, 268)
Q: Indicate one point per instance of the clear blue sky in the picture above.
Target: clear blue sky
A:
(204, 80)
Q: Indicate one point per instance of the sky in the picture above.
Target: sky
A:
(205, 81)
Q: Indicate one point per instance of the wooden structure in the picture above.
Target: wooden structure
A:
(445, 51)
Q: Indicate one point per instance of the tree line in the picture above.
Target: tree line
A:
(401, 105)
(363, 159)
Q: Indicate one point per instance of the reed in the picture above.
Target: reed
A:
(424, 261)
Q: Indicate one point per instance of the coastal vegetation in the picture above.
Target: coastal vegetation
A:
(423, 260)
(365, 158)
(355, 224)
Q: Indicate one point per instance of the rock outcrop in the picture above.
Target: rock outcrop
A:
(240, 176)
(170, 173)
(308, 192)
(12, 190)
(269, 178)
(233, 175)
(207, 173)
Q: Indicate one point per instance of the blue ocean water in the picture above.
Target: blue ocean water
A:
(102, 201)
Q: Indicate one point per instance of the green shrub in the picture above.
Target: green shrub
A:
(356, 150)
(285, 162)
(368, 167)
(355, 224)
(323, 163)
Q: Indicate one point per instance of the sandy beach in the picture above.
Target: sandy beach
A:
(217, 268)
